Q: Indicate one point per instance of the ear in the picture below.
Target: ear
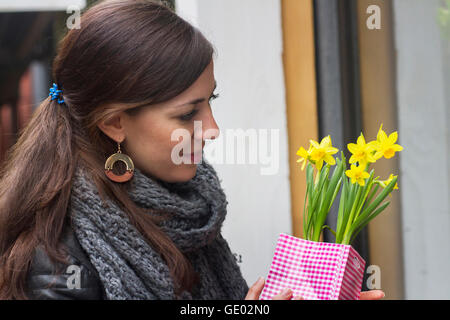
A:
(113, 127)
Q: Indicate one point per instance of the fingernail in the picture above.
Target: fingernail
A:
(260, 280)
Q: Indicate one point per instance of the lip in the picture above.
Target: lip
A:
(196, 157)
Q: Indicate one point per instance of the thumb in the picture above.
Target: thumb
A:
(255, 289)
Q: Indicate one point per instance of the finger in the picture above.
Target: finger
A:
(255, 290)
(285, 294)
(372, 295)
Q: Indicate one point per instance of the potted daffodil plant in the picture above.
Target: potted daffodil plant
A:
(319, 270)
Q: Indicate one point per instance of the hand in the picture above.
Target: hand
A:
(256, 289)
(371, 295)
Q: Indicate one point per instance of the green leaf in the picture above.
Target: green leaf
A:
(383, 194)
(328, 227)
(336, 191)
(318, 201)
(310, 193)
(341, 219)
(305, 213)
(353, 206)
(366, 189)
(329, 191)
(333, 185)
(359, 225)
(373, 192)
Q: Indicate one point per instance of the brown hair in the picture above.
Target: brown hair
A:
(134, 52)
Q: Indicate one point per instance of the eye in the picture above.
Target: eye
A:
(188, 116)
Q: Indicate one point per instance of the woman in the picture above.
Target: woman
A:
(140, 225)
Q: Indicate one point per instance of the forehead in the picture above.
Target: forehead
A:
(202, 88)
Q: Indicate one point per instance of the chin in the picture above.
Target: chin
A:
(183, 173)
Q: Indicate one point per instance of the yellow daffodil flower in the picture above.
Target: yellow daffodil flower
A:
(322, 152)
(305, 156)
(362, 152)
(385, 183)
(357, 174)
(385, 146)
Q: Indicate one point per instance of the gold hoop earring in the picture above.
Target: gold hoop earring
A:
(119, 156)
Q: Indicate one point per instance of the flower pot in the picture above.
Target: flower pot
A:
(314, 270)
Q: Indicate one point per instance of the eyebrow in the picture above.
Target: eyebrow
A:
(199, 100)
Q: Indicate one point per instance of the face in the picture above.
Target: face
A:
(162, 135)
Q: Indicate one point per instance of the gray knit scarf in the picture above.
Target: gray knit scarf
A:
(128, 267)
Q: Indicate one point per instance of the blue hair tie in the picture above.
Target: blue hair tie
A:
(56, 94)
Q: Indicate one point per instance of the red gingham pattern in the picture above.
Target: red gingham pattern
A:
(314, 270)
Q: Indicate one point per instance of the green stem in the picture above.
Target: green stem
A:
(352, 212)
(317, 177)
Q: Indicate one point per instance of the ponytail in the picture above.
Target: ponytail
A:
(35, 183)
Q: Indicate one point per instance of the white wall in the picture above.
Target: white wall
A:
(249, 72)
(39, 5)
(423, 131)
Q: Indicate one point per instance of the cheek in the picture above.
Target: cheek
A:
(145, 141)
(153, 146)
(152, 151)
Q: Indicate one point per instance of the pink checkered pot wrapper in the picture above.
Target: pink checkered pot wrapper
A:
(314, 270)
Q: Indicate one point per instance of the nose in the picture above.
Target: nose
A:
(207, 130)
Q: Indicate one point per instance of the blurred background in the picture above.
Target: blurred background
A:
(307, 68)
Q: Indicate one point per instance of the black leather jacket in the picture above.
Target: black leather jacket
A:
(78, 279)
